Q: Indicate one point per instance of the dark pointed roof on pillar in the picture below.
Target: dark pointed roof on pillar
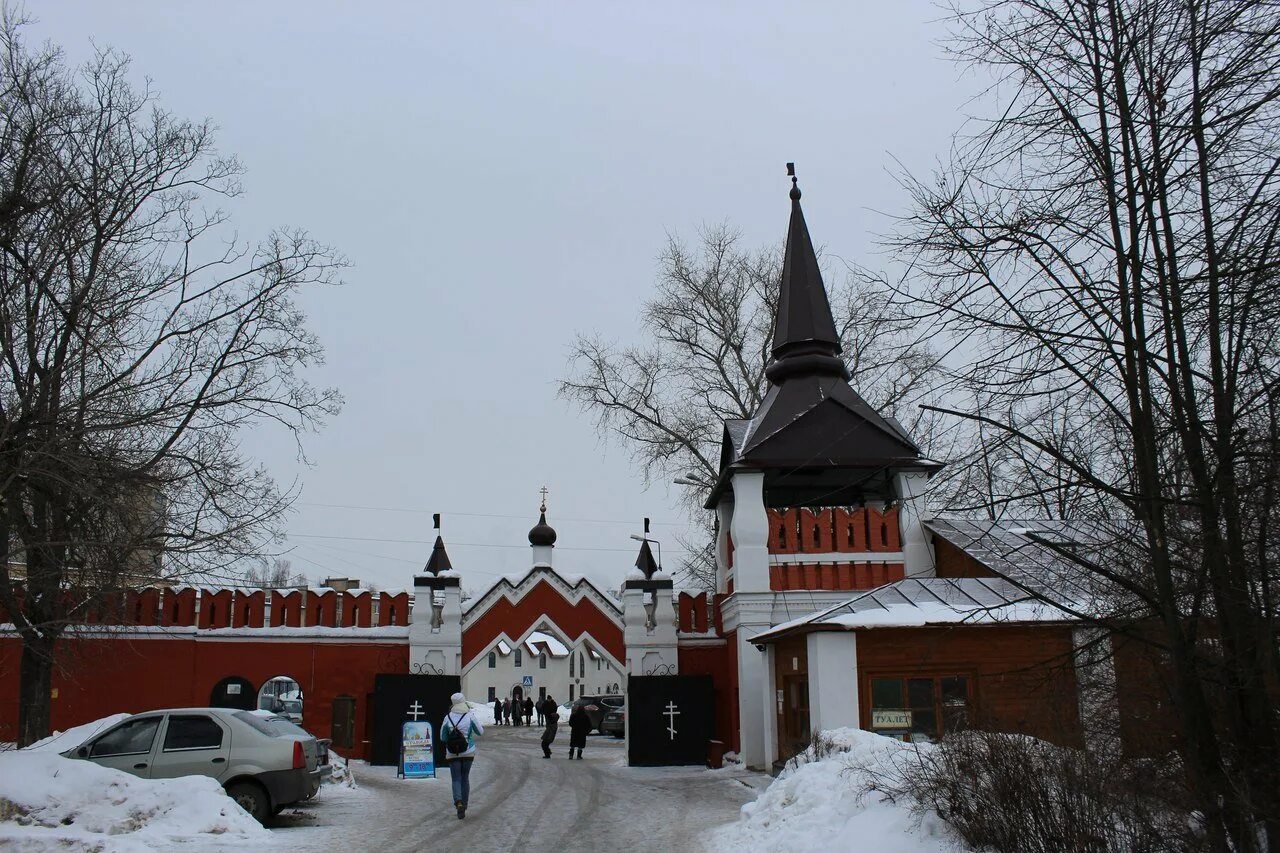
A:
(812, 427)
(438, 562)
(542, 533)
(645, 562)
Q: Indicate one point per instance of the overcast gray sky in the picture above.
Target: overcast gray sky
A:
(501, 178)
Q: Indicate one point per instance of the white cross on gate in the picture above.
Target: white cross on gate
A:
(415, 710)
(672, 713)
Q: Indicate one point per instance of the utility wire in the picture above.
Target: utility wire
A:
(452, 544)
(488, 514)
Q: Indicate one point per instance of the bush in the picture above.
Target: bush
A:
(1021, 795)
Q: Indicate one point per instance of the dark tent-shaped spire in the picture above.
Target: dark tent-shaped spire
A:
(804, 332)
(645, 562)
(439, 559)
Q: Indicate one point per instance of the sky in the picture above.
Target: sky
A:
(501, 177)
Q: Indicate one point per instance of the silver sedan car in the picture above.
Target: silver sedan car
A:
(263, 767)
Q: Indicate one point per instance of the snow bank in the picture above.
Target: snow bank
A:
(816, 804)
(49, 801)
(73, 737)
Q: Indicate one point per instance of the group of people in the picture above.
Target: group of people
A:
(461, 728)
(505, 709)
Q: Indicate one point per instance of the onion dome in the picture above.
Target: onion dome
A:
(542, 533)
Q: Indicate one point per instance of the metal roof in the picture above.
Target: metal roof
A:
(1030, 552)
(917, 602)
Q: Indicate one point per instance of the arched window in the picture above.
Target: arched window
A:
(782, 535)
(817, 536)
(493, 660)
(542, 661)
(392, 620)
(582, 665)
(519, 658)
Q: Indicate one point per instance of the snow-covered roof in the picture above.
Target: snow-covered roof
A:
(916, 602)
(554, 647)
(513, 581)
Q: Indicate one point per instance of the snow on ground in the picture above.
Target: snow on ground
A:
(73, 737)
(48, 801)
(817, 804)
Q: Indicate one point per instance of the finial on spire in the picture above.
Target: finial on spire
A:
(795, 186)
(543, 507)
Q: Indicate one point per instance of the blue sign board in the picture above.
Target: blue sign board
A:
(528, 681)
(417, 750)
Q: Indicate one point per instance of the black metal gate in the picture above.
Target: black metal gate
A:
(669, 719)
(397, 698)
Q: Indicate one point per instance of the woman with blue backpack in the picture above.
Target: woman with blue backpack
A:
(459, 731)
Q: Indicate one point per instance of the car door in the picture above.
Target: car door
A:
(128, 747)
(194, 744)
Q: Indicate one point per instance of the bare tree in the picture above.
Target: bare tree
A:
(136, 344)
(276, 574)
(710, 328)
(1104, 251)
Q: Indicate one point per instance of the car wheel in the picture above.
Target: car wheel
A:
(252, 798)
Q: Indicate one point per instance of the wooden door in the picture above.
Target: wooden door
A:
(343, 728)
(795, 715)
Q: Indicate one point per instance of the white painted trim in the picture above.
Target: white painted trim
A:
(836, 557)
(513, 593)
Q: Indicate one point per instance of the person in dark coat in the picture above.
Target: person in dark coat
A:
(497, 711)
(549, 732)
(579, 728)
(537, 707)
(528, 712)
(506, 712)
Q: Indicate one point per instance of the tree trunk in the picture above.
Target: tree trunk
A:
(35, 690)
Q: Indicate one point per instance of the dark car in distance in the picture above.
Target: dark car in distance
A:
(615, 722)
(598, 707)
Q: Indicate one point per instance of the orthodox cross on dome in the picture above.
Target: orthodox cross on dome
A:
(415, 710)
(671, 713)
(542, 534)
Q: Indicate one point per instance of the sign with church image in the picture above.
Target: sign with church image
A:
(417, 750)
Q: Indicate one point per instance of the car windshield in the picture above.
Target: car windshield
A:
(612, 701)
(293, 706)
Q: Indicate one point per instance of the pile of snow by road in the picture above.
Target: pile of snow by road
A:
(818, 804)
(48, 801)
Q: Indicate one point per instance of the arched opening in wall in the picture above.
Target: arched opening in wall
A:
(234, 692)
(282, 695)
(517, 693)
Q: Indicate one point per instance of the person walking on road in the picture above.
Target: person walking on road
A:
(528, 712)
(497, 712)
(551, 716)
(579, 726)
(459, 732)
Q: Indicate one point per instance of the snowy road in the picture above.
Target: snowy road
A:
(521, 801)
